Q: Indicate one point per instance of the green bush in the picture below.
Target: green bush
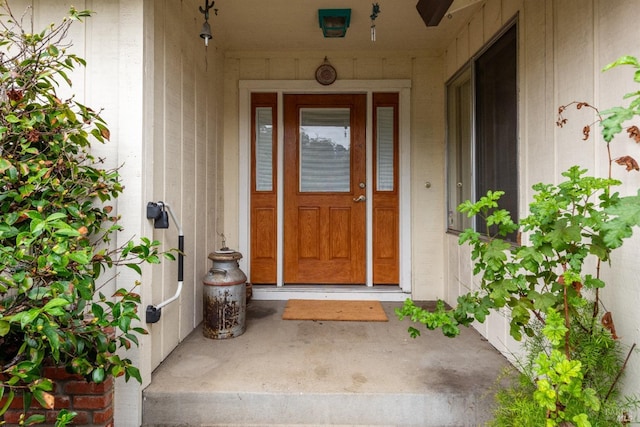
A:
(57, 223)
(550, 286)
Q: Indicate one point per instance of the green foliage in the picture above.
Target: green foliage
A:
(550, 286)
(551, 388)
(56, 226)
(614, 118)
(567, 223)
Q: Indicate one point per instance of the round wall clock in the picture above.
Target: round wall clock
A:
(326, 74)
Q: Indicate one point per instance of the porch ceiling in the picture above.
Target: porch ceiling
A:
(292, 25)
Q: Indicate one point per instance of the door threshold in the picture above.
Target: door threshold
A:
(329, 292)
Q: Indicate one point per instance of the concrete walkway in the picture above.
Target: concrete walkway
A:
(284, 372)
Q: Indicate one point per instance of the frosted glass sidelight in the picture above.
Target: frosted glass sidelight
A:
(384, 149)
(325, 150)
(264, 149)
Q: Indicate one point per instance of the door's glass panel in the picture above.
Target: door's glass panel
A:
(264, 149)
(384, 149)
(325, 150)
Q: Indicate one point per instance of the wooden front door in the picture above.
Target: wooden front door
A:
(324, 189)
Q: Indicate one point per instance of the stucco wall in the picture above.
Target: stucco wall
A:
(427, 149)
(563, 47)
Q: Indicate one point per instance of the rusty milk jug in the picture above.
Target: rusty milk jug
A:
(224, 296)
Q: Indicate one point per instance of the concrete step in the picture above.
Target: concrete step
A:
(305, 373)
(202, 409)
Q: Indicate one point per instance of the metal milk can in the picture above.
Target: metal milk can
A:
(224, 296)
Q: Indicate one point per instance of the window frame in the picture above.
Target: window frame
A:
(455, 222)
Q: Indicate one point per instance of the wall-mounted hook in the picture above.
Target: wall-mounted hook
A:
(207, 6)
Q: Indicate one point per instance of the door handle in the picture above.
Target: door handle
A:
(361, 198)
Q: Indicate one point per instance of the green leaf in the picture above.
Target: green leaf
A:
(56, 216)
(25, 317)
(5, 327)
(581, 420)
(545, 395)
(65, 417)
(53, 50)
(626, 216)
(97, 311)
(54, 341)
(623, 60)
(35, 419)
(98, 375)
(568, 369)
(131, 371)
(45, 399)
(544, 301)
(590, 398)
(67, 232)
(56, 302)
(554, 328)
(80, 257)
(4, 164)
(8, 400)
(135, 267)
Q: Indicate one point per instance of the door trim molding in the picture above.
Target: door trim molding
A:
(246, 87)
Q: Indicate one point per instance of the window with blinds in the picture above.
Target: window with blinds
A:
(385, 149)
(325, 150)
(264, 149)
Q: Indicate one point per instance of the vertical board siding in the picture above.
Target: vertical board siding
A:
(617, 34)
(185, 171)
(564, 44)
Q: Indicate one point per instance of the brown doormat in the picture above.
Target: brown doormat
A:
(358, 311)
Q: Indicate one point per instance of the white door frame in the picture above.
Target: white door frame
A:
(403, 88)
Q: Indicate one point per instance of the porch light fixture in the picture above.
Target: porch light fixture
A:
(205, 32)
(334, 22)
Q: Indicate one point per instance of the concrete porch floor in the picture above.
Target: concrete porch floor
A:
(284, 372)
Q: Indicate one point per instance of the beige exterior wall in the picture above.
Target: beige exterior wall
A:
(426, 73)
(183, 124)
(563, 45)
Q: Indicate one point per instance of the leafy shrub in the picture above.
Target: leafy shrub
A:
(550, 287)
(57, 224)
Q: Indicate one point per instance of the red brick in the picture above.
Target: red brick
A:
(101, 417)
(51, 417)
(83, 387)
(59, 373)
(92, 402)
(83, 418)
(12, 417)
(16, 403)
(62, 402)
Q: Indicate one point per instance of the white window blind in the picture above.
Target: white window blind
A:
(264, 149)
(325, 150)
(384, 149)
